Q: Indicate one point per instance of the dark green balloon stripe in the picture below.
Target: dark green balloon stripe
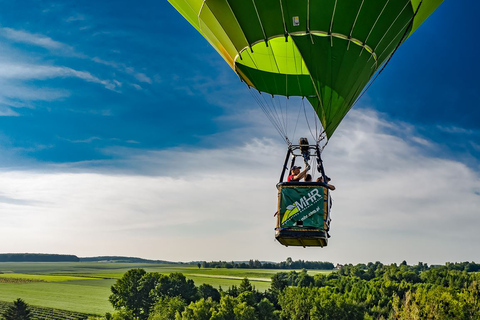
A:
(277, 84)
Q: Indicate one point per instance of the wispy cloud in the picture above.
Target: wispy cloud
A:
(76, 17)
(63, 49)
(455, 130)
(88, 140)
(10, 71)
(18, 95)
(11, 92)
(34, 39)
(6, 111)
(128, 70)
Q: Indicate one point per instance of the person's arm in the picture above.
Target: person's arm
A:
(301, 174)
(331, 186)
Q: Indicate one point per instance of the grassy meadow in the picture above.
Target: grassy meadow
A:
(85, 286)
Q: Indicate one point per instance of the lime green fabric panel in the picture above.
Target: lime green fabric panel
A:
(426, 9)
(278, 57)
(222, 41)
(277, 84)
(222, 12)
(189, 9)
(287, 57)
(262, 58)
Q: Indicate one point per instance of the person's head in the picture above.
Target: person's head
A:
(308, 178)
(320, 179)
(295, 170)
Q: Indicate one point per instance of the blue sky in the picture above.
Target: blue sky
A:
(121, 130)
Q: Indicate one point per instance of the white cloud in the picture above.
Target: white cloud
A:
(76, 17)
(10, 71)
(455, 130)
(123, 68)
(35, 39)
(6, 111)
(88, 140)
(63, 49)
(10, 93)
(393, 202)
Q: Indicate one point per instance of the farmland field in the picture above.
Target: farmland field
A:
(85, 286)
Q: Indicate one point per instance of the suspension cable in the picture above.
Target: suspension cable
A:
(268, 112)
(306, 119)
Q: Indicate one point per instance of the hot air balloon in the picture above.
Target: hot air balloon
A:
(326, 52)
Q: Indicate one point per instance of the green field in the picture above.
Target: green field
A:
(85, 286)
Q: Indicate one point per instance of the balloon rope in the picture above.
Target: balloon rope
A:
(296, 123)
(270, 114)
(306, 119)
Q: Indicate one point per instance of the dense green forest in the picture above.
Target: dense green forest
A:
(362, 291)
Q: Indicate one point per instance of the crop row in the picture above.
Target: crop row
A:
(18, 280)
(41, 313)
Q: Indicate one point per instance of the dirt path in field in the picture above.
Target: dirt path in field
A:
(227, 277)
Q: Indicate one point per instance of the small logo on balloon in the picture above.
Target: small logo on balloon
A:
(296, 21)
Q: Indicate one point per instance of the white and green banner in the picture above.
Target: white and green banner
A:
(302, 207)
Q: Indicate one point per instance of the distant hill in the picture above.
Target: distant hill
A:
(37, 257)
(120, 259)
(45, 257)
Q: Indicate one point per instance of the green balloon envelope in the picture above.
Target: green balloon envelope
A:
(324, 50)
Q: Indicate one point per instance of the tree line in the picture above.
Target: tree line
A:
(363, 291)
(37, 257)
(256, 264)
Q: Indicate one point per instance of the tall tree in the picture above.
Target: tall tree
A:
(168, 308)
(132, 292)
(265, 310)
(207, 291)
(18, 311)
(245, 285)
(200, 310)
(176, 285)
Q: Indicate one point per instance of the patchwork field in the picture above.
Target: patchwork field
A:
(85, 286)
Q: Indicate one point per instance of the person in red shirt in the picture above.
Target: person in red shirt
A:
(296, 175)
